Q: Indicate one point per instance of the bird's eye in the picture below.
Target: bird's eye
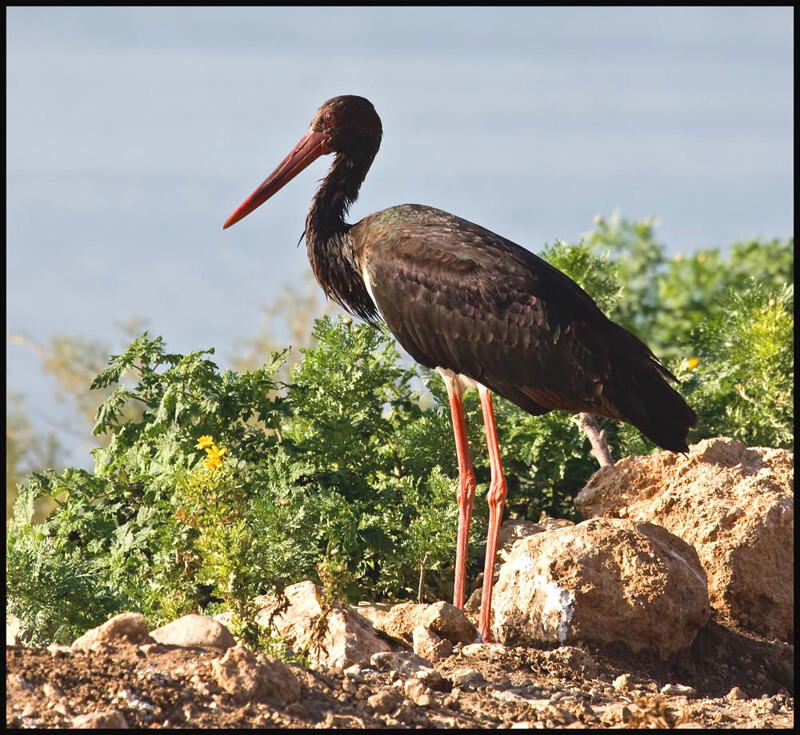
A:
(330, 117)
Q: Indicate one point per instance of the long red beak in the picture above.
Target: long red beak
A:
(311, 146)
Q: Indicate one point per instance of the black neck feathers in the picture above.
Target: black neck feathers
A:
(334, 259)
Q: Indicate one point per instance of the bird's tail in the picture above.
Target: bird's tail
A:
(638, 392)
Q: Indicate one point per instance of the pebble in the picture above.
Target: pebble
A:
(467, 678)
(59, 649)
(622, 683)
(52, 690)
(403, 662)
(134, 701)
(585, 710)
(418, 693)
(111, 720)
(429, 645)
(355, 672)
(508, 696)
(433, 679)
(770, 705)
(678, 690)
(474, 649)
(734, 694)
(20, 681)
(29, 711)
(384, 702)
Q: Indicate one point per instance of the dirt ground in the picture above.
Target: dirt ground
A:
(168, 686)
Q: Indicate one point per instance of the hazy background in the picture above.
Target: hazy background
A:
(133, 133)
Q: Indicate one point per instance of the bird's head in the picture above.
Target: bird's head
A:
(348, 122)
(346, 125)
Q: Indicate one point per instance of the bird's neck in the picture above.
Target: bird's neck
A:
(334, 257)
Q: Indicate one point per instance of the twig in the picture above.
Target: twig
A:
(422, 563)
(598, 440)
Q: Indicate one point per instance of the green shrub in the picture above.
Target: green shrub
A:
(226, 485)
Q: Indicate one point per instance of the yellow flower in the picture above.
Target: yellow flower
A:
(204, 441)
(214, 452)
(692, 363)
(214, 459)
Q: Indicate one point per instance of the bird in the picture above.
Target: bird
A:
(482, 310)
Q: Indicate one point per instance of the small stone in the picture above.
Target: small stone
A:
(442, 618)
(585, 710)
(735, 694)
(433, 679)
(616, 713)
(109, 720)
(355, 672)
(678, 690)
(576, 659)
(403, 662)
(52, 690)
(467, 678)
(418, 693)
(560, 715)
(622, 683)
(770, 706)
(476, 649)
(429, 645)
(451, 701)
(20, 681)
(244, 675)
(60, 708)
(346, 638)
(507, 695)
(384, 702)
(59, 649)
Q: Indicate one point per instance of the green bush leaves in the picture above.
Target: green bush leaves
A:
(346, 473)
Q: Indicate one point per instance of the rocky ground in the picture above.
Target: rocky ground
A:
(686, 559)
(728, 679)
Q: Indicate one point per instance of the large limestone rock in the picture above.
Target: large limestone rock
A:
(511, 531)
(333, 637)
(604, 580)
(733, 504)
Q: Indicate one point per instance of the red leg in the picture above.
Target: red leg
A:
(466, 483)
(496, 497)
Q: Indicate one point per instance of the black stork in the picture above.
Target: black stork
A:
(480, 309)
